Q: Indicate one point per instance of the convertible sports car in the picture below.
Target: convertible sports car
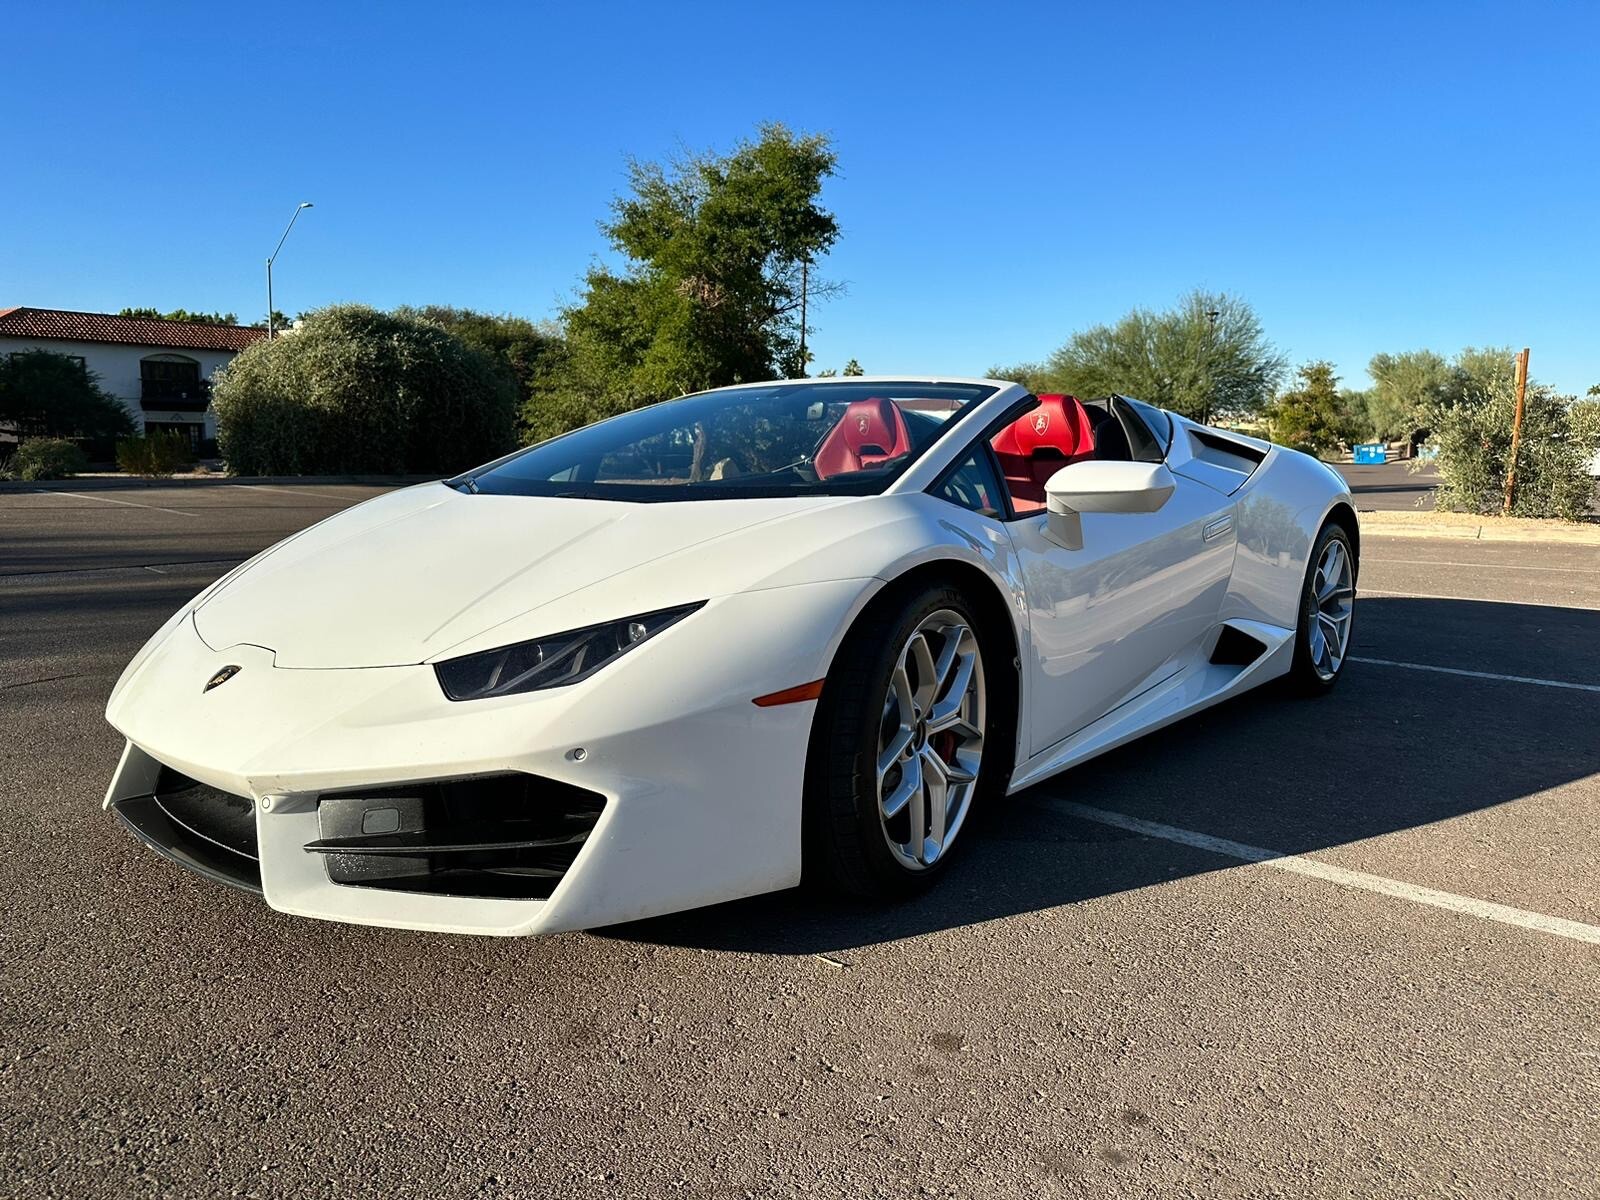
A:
(707, 648)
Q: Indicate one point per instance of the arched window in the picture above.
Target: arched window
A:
(172, 381)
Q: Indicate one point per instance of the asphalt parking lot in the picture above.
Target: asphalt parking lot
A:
(1109, 995)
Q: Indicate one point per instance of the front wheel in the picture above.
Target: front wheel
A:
(903, 746)
(1327, 612)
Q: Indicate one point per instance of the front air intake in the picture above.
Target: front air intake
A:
(199, 827)
(495, 836)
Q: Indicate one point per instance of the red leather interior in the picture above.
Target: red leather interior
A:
(870, 432)
(1039, 443)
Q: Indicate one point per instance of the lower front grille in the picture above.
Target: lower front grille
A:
(497, 836)
(199, 827)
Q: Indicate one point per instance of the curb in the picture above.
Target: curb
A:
(1468, 527)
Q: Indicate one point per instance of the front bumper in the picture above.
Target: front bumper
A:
(509, 836)
(698, 791)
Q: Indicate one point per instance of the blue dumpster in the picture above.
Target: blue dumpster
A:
(1369, 452)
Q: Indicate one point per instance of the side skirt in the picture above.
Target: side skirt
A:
(1198, 686)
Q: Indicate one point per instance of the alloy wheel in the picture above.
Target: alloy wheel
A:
(930, 739)
(1333, 597)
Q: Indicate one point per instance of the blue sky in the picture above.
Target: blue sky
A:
(1378, 177)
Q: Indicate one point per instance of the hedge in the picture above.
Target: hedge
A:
(352, 389)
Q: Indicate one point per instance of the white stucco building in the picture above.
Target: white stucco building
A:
(160, 370)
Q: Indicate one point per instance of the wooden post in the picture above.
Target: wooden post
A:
(1516, 429)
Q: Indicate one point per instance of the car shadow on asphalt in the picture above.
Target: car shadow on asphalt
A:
(1389, 749)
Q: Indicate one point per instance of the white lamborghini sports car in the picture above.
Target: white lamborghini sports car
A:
(707, 648)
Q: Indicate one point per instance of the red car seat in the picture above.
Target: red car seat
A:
(1039, 443)
(871, 431)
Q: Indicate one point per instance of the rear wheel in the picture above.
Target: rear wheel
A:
(902, 748)
(1327, 613)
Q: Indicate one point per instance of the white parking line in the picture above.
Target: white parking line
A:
(1411, 666)
(1506, 915)
(108, 500)
(270, 489)
(1445, 562)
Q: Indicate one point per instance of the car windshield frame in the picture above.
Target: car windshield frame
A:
(566, 466)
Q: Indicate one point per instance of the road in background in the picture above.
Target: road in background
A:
(1077, 1009)
(1389, 486)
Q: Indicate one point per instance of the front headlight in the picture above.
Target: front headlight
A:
(553, 661)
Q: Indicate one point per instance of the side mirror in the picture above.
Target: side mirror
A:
(1106, 487)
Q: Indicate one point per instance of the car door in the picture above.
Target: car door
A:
(1127, 610)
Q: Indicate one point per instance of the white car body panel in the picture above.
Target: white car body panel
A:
(334, 633)
(492, 559)
(703, 792)
(1197, 686)
(1108, 619)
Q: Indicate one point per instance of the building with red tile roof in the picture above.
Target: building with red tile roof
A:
(62, 324)
(160, 370)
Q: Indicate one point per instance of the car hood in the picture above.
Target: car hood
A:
(405, 577)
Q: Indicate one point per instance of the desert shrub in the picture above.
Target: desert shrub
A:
(1474, 441)
(47, 458)
(353, 389)
(156, 454)
(1584, 418)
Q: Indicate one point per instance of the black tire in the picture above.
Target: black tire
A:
(1305, 678)
(846, 848)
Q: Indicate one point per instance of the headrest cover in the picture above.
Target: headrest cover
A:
(1059, 423)
(872, 422)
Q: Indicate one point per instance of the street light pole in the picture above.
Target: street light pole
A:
(274, 255)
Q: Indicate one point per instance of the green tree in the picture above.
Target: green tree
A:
(1206, 357)
(1477, 371)
(1404, 387)
(1311, 416)
(710, 293)
(1356, 406)
(1035, 377)
(526, 350)
(182, 314)
(356, 389)
(853, 368)
(49, 395)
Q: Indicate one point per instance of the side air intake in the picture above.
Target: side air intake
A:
(1235, 648)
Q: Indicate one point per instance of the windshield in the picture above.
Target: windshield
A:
(823, 438)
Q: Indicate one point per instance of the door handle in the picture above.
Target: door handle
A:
(1216, 529)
